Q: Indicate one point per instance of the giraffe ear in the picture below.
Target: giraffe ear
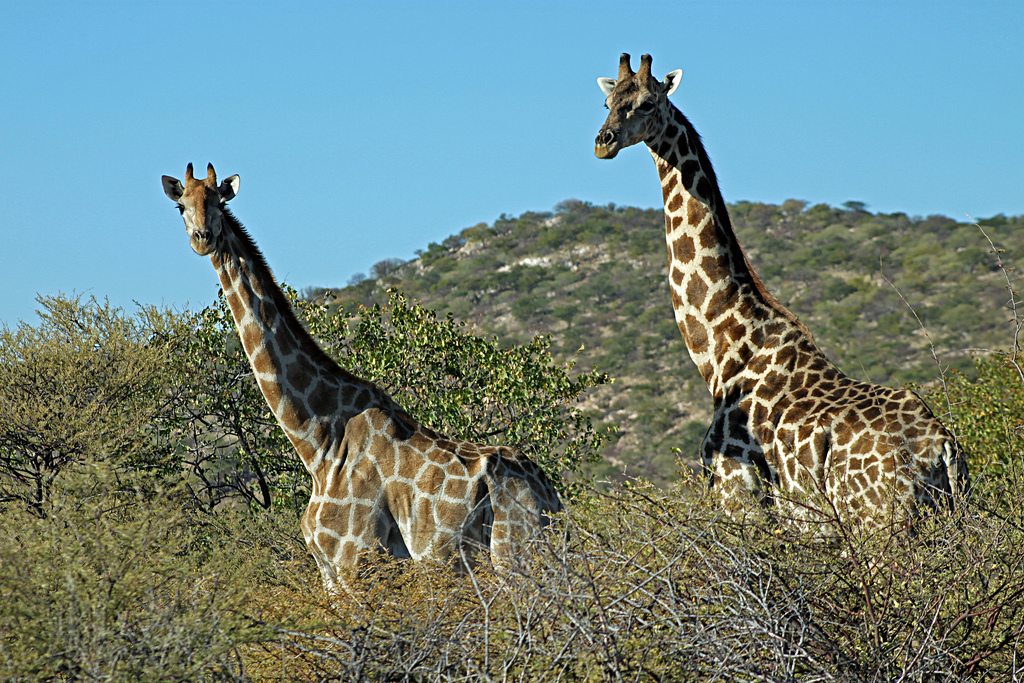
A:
(228, 188)
(672, 81)
(172, 187)
(607, 85)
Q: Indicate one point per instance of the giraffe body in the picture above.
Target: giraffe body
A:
(784, 414)
(381, 481)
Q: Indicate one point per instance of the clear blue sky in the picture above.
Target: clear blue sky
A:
(365, 131)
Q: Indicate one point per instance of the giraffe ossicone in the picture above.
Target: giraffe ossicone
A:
(381, 480)
(784, 415)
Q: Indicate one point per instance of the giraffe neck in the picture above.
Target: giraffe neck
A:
(723, 310)
(311, 396)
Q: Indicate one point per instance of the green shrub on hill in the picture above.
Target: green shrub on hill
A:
(595, 277)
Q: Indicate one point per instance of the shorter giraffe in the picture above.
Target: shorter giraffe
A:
(380, 479)
(784, 414)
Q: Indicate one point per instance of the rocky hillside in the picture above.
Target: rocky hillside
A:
(879, 292)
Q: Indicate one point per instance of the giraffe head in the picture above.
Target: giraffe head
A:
(201, 203)
(637, 104)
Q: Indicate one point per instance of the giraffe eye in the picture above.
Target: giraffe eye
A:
(646, 106)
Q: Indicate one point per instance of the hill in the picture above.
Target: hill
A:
(880, 293)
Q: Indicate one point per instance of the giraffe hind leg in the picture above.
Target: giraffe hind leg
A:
(956, 471)
(516, 518)
(476, 534)
(389, 536)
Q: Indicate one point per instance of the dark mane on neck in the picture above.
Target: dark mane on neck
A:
(262, 273)
(723, 220)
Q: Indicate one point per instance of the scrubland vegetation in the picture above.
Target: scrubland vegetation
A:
(150, 505)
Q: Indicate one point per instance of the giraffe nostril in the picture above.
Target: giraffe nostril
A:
(606, 137)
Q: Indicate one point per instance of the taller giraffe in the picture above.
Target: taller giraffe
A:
(380, 480)
(784, 414)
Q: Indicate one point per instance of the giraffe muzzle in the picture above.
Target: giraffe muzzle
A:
(606, 146)
(201, 242)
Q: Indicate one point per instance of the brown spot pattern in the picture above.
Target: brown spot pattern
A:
(683, 249)
(696, 290)
(696, 211)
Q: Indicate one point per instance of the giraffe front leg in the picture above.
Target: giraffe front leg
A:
(338, 534)
(321, 543)
(328, 575)
(323, 548)
(734, 463)
(802, 452)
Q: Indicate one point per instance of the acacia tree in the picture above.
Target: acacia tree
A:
(229, 443)
(87, 382)
(466, 384)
